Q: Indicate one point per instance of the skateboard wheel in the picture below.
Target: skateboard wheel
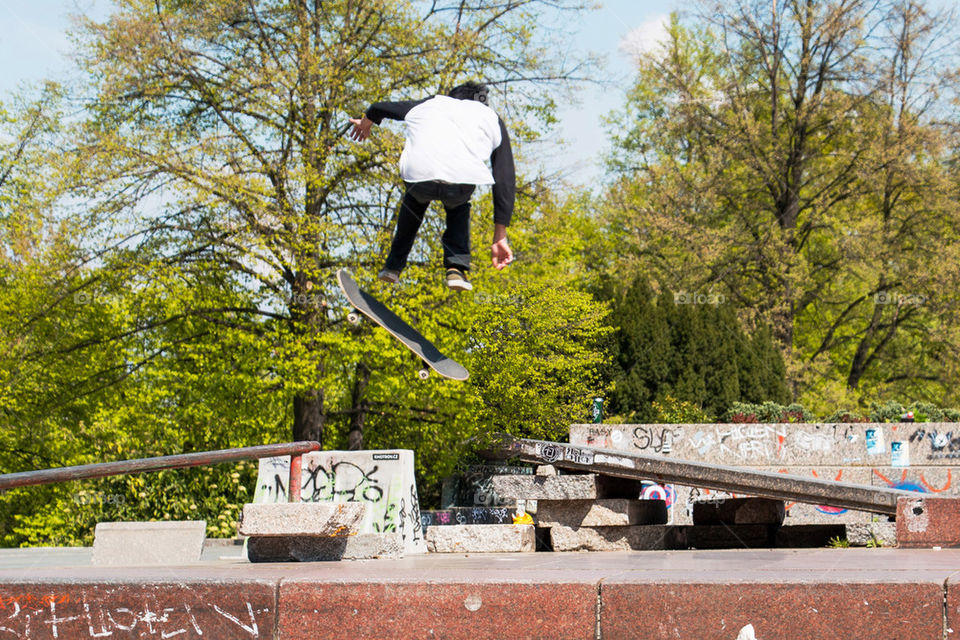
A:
(424, 374)
(353, 317)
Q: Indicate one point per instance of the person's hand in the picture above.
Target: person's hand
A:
(501, 254)
(361, 128)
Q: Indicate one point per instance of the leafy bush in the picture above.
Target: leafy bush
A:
(844, 415)
(669, 410)
(767, 412)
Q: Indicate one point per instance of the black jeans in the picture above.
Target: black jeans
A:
(456, 239)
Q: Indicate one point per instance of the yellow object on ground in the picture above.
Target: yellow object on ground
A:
(522, 518)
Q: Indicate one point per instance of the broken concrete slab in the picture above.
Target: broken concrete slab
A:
(482, 538)
(148, 543)
(628, 538)
(326, 519)
(363, 546)
(600, 513)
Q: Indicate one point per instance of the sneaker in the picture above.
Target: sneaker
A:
(389, 275)
(457, 279)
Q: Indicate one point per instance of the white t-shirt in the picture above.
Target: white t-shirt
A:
(449, 140)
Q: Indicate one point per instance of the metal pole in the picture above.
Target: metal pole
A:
(65, 474)
(628, 464)
(296, 464)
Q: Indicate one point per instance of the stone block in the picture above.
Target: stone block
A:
(466, 515)
(600, 513)
(511, 607)
(627, 538)
(777, 609)
(326, 519)
(547, 470)
(482, 538)
(928, 522)
(876, 533)
(149, 603)
(382, 479)
(362, 546)
(739, 511)
(568, 487)
(148, 543)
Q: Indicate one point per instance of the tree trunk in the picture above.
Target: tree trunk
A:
(360, 408)
(308, 416)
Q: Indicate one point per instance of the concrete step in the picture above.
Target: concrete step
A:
(908, 594)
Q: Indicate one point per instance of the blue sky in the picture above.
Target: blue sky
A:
(34, 46)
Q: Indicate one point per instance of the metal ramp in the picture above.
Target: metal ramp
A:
(636, 466)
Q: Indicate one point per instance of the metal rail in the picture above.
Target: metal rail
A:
(66, 474)
(625, 464)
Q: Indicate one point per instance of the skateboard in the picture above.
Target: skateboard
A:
(369, 306)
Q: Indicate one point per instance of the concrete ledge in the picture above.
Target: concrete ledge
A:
(363, 546)
(148, 543)
(328, 519)
(482, 538)
(784, 594)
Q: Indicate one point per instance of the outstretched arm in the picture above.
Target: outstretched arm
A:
(504, 191)
(377, 112)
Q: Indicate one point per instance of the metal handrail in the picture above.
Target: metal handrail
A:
(180, 461)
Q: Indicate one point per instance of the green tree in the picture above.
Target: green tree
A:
(192, 305)
(673, 349)
(780, 154)
(228, 117)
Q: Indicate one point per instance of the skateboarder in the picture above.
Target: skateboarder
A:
(448, 140)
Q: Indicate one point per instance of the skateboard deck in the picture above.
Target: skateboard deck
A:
(410, 337)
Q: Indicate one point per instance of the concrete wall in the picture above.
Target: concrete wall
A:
(383, 479)
(912, 456)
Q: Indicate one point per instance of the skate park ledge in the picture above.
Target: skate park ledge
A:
(727, 594)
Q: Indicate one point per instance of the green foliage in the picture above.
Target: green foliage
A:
(215, 494)
(795, 161)
(669, 410)
(894, 411)
(183, 298)
(668, 345)
(845, 415)
(767, 412)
